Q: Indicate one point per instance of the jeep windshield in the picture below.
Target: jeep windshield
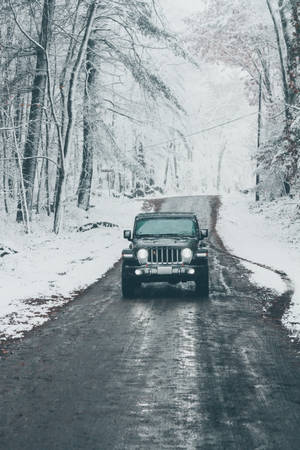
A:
(167, 226)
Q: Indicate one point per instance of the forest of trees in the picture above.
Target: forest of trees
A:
(80, 88)
(262, 37)
(70, 70)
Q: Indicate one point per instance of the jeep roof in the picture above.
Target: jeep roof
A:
(166, 214)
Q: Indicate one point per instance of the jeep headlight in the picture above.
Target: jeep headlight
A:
(142, 256)
(186, 255)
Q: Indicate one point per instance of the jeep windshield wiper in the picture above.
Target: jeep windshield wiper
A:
(154, 235)
(159, 235)
(175, 235)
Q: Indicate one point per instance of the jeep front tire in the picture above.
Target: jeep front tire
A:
(202, 282)
(128, 284)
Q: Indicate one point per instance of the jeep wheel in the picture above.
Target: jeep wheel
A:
(202, 282)
(128, 285)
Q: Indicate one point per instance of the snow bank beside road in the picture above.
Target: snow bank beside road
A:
(268, 234)
(48, 269)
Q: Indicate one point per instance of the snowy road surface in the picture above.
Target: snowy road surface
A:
(162, 371)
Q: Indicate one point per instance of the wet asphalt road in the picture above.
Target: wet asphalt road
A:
(162, 371)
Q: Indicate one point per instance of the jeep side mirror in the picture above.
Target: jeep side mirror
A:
(203, 233)
(127, 234)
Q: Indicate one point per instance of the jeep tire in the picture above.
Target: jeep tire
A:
(128, 284)
(202, 282)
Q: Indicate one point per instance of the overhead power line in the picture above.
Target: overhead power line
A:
(195, 133)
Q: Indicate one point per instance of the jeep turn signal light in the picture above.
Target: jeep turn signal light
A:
(202, 255)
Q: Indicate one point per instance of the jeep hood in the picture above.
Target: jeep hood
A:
(175, 242)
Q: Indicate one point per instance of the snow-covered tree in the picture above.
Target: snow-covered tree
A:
(262, 39)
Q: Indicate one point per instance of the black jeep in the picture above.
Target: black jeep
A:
(167, 247)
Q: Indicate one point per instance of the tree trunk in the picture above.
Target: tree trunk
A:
(176, 172)
(23, 200)
(60, 195)
(220, 161)
(63, 81)
(40, 184)
(36, 109)
(268, 96)
(283, 71)
(121, 187)
(86, 176)
(4, 182)
(47, 189)
(290, 33)
(259, 121)
(166, 173)
(289, 16)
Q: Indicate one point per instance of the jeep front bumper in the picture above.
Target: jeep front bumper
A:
(164, 272)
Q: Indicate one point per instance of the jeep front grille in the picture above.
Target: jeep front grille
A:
(164, 255)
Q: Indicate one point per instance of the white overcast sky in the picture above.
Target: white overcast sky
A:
(177, 10)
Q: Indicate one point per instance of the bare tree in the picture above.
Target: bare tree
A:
(36, 109)
(60, 194)
(85, 183)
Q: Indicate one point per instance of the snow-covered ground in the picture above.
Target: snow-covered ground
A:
(48, 270)
(269, 234)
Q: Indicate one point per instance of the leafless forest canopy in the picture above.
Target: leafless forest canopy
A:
(80, 87)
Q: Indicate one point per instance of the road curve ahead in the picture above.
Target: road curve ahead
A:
(162, 371)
